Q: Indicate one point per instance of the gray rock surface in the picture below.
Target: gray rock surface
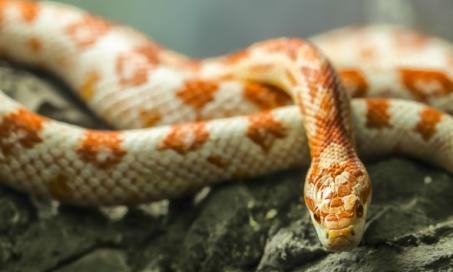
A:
(258, 225)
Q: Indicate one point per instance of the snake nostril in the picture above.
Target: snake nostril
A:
(352, 232)
(327, 235)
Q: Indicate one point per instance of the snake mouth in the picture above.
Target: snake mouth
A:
(341, 239)
(340, 244)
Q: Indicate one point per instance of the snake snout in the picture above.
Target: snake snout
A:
(338, 233)
(342, 239)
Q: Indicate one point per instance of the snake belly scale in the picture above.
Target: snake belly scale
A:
(190, 123)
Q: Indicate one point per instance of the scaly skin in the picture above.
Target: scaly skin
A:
(189, 142)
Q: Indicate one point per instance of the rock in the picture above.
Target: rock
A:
(258, 225)
(103, 260)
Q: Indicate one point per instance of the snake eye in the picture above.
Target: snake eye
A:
(317, 218)
(359, 210)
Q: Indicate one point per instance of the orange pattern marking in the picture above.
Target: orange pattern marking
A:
(310, 203)
(89, 85)
(20, 128)
(197, 93)
(354, 81)
(192, 65)
(101, 148)
(264, 130)
(185, 138)
(290, 47)
(336, 202)
(335, 196)
(218, 161)
(86, 31)
(291, 78)
(322, 78)
(132, 67)
(149, 118)
(35, 45)
(378, 115)
(410, 40)
(236, 57)
(450, 60)
(423, 83)
(329, 130)
(310, 76)
(28, 10)
(367, 52)
(266, 97)
(429, 118)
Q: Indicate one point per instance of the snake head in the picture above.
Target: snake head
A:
(338, 204)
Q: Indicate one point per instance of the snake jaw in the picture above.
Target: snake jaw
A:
(340, 239)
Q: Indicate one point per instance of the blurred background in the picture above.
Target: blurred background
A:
(202, 28)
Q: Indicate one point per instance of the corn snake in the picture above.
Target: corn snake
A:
(222, 118)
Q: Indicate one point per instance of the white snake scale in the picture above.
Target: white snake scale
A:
(133, 83)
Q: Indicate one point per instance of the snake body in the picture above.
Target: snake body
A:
(191, 123)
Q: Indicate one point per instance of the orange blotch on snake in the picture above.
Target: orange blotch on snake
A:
(89, 85)
(346, 214)
(336, 202)
(185, 138)
(319, 79)
(260, 68)
(426, 126)
(264, 130)
(367, 52)
(426, 83)
(291, 47)
(149, 118)
(311, 78)
(378, 115)
(450, 60)
(337, 220)
(266, 97)
(237, 57)
(354, 81)
(197, 93)
(310, 203)
(291, 78)
(406, 39)
(218, 161)
(87, 30)
(35, 45)
(20, 128)
(193, 65)
(28, 10)
(59, 188)
(101, 148)
(132, 67)
(343, 190)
